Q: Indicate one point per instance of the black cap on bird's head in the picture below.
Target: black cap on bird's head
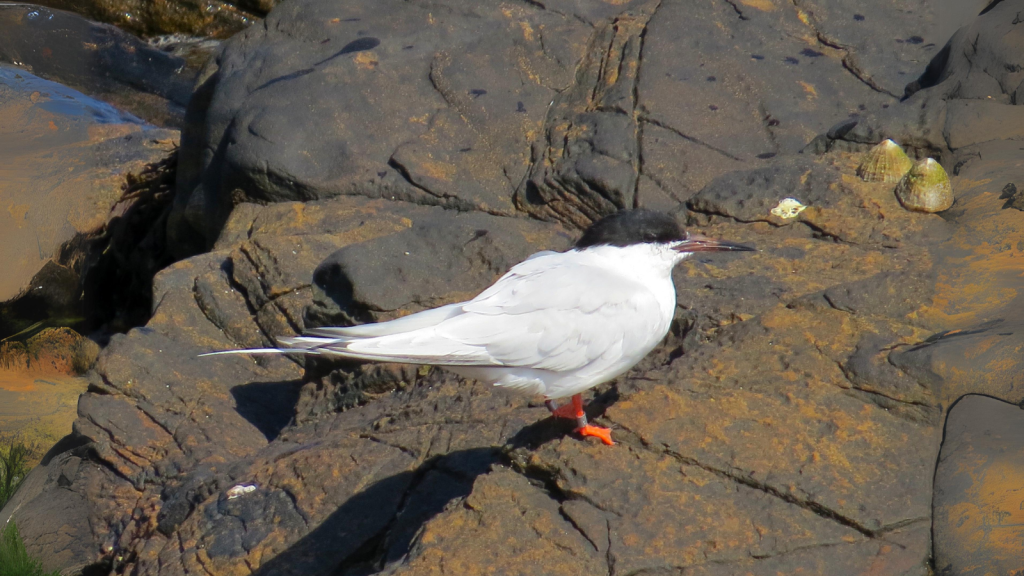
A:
(640, 226)
(628, 227)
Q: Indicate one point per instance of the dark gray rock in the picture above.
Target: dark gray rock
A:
(586, 166)
(750, 195)
(974, 121)
(890, 294)
(886, 53)
(563, 112)
(977, 502)
(386, 100)
(965, 96)
(97, 59)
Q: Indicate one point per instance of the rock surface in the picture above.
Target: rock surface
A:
(96, 59)
(978, 499)
(214, 18)
(566, 112)
(64, 159)
(791, 421)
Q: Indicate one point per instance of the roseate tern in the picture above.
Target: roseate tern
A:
(556, 324)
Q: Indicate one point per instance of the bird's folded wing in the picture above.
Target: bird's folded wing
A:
(404, 324)
(551, 318)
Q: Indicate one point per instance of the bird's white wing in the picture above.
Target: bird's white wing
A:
(545, 314)
(405, 324)
(332, 339)
(411, 322)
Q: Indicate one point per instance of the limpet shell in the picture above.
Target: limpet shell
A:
(886, 162)
(925, 188)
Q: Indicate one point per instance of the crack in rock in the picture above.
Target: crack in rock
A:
(815, 507)
(849, 59)
(588, 164)
(660, 124)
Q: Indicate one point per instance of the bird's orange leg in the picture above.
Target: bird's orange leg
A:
(574, 409)
(564, 411)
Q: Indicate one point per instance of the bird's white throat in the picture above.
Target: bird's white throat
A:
(638, 261)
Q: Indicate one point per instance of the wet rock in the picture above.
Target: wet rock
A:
(66, 158)
(122, 259)
(977, 489)
(194, 50)
(51, 350)
(214, 18)
(99, 60)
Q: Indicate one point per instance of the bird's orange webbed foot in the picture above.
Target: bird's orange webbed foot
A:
(604, 434)
(574, 409)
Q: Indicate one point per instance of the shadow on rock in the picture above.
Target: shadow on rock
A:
(375, 528)
(549, 429)
(122, 259)
(269, 406)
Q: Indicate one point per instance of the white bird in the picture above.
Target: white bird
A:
(555, 325)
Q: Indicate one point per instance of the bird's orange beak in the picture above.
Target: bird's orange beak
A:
(700, 243)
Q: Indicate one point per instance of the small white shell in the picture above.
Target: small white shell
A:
(788, 208)
(240, 490)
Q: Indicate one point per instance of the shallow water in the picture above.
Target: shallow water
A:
(60, 99)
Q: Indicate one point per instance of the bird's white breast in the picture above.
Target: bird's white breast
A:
(625, 301)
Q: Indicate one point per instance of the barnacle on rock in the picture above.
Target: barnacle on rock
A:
(788, 208)
(886, 162)
(240, 490)
(925, 188)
